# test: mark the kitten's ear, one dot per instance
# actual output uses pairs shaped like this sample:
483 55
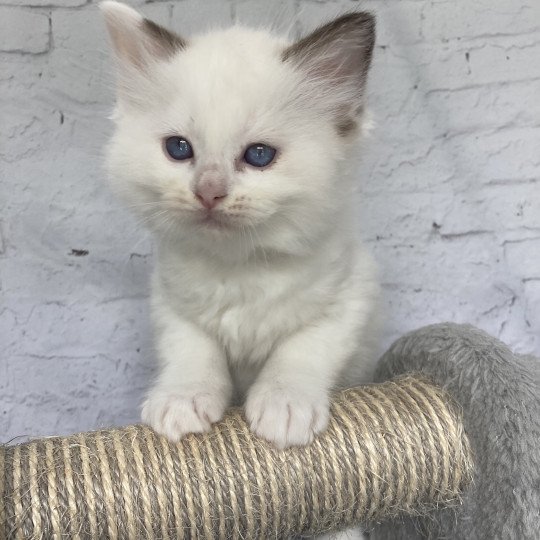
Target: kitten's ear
136 40
337 55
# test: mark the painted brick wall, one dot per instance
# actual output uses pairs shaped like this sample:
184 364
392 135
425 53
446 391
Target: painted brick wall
450 206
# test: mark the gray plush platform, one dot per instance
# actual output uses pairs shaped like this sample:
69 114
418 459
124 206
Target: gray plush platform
500 396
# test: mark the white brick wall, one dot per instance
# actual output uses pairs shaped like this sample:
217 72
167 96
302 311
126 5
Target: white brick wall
451 183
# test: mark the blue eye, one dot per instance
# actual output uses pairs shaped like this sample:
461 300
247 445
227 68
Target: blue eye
178 148
259 154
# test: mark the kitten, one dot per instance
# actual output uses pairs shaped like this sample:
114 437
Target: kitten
236 147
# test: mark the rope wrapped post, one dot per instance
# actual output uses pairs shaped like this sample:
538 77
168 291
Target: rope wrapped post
390 448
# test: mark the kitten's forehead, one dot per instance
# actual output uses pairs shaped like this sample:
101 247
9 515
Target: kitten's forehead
226 79
235 52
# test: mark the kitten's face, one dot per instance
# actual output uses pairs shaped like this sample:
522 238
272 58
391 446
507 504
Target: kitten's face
222 139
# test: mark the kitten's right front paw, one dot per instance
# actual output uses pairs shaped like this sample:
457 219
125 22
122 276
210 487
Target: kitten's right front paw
177 414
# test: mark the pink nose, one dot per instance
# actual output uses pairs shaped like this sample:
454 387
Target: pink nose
211 189
209 198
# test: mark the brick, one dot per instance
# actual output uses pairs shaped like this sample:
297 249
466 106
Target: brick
393 95
481 108
23 31
72 329
499 157
46 3
493 209
497 60
523 258
23 130
439 260
81 65
408 217
405 166
480 19
63 276
506 59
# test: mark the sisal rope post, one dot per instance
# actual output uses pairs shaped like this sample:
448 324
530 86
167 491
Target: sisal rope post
396 447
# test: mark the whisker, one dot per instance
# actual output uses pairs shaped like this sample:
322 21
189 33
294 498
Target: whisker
253 245
244 242
260 243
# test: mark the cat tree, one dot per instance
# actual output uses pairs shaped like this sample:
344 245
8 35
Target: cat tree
395 449
390 448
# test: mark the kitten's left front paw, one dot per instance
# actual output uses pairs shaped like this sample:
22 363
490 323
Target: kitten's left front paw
286 416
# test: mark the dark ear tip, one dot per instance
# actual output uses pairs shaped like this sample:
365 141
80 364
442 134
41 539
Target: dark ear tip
360 17
363 20
168 41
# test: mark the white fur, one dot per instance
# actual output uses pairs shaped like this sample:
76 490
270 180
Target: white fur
275 306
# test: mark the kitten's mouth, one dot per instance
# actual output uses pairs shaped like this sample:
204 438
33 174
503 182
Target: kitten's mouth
213 220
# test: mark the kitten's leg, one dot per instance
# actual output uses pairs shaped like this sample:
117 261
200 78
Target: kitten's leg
193 387
288 403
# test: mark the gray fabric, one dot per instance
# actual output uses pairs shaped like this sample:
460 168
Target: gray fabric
500 396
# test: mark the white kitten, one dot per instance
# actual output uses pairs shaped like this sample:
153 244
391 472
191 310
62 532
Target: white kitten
235 147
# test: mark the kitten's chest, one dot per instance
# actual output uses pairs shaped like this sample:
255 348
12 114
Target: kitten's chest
250 312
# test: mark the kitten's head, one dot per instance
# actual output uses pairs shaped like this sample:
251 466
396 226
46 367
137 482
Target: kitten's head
237 134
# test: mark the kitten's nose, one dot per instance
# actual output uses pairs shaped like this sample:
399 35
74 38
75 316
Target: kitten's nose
211 189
